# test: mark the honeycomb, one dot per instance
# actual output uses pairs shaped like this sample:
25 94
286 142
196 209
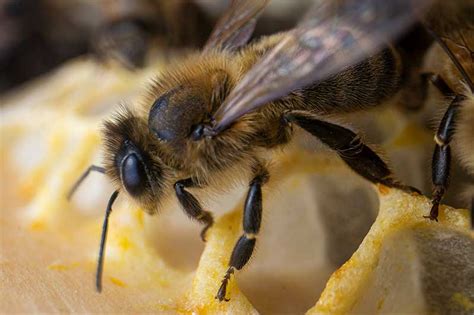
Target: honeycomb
331 242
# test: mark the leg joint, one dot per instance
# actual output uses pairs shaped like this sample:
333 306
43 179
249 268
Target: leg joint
242 252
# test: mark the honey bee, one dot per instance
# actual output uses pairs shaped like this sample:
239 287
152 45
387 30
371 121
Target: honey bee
216 117
450 67
131 27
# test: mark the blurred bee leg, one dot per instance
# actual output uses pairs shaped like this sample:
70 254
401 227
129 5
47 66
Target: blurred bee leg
437 81
191 205
441 161
79 181
252 219
126 40
348 145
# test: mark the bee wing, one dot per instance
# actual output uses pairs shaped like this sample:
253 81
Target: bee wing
333 35
236 26
449 22
447 17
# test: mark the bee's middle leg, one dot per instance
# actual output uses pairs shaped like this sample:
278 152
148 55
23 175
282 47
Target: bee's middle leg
252 219
348 145
191 205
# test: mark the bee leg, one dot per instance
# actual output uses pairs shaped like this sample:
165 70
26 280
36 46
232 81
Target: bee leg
441 162
126 40
437 81
191 205
252 219
348 145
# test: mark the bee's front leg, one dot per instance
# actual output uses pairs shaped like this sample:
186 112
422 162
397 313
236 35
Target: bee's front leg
252 219
191 205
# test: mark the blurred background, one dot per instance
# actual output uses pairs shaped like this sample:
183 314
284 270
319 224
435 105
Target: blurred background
38 35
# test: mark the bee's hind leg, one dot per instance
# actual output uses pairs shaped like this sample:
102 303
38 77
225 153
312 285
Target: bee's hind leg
348 145
441 162
191 205
252 219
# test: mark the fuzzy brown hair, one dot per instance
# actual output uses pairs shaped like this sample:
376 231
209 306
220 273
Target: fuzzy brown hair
213 76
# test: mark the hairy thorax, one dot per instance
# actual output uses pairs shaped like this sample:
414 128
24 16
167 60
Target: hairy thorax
187 95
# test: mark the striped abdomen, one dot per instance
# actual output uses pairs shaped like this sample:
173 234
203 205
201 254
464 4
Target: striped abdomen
366 84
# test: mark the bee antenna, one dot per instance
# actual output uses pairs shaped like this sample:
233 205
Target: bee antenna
83 177
103 238
453 58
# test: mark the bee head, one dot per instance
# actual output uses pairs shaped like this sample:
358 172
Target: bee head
133 161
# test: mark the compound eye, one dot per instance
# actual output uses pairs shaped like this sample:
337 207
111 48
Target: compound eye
134 176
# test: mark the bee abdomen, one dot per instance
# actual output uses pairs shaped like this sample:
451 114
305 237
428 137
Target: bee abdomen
366 84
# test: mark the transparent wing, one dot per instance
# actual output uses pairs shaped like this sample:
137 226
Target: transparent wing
449 17
333 36
451 23
236 26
